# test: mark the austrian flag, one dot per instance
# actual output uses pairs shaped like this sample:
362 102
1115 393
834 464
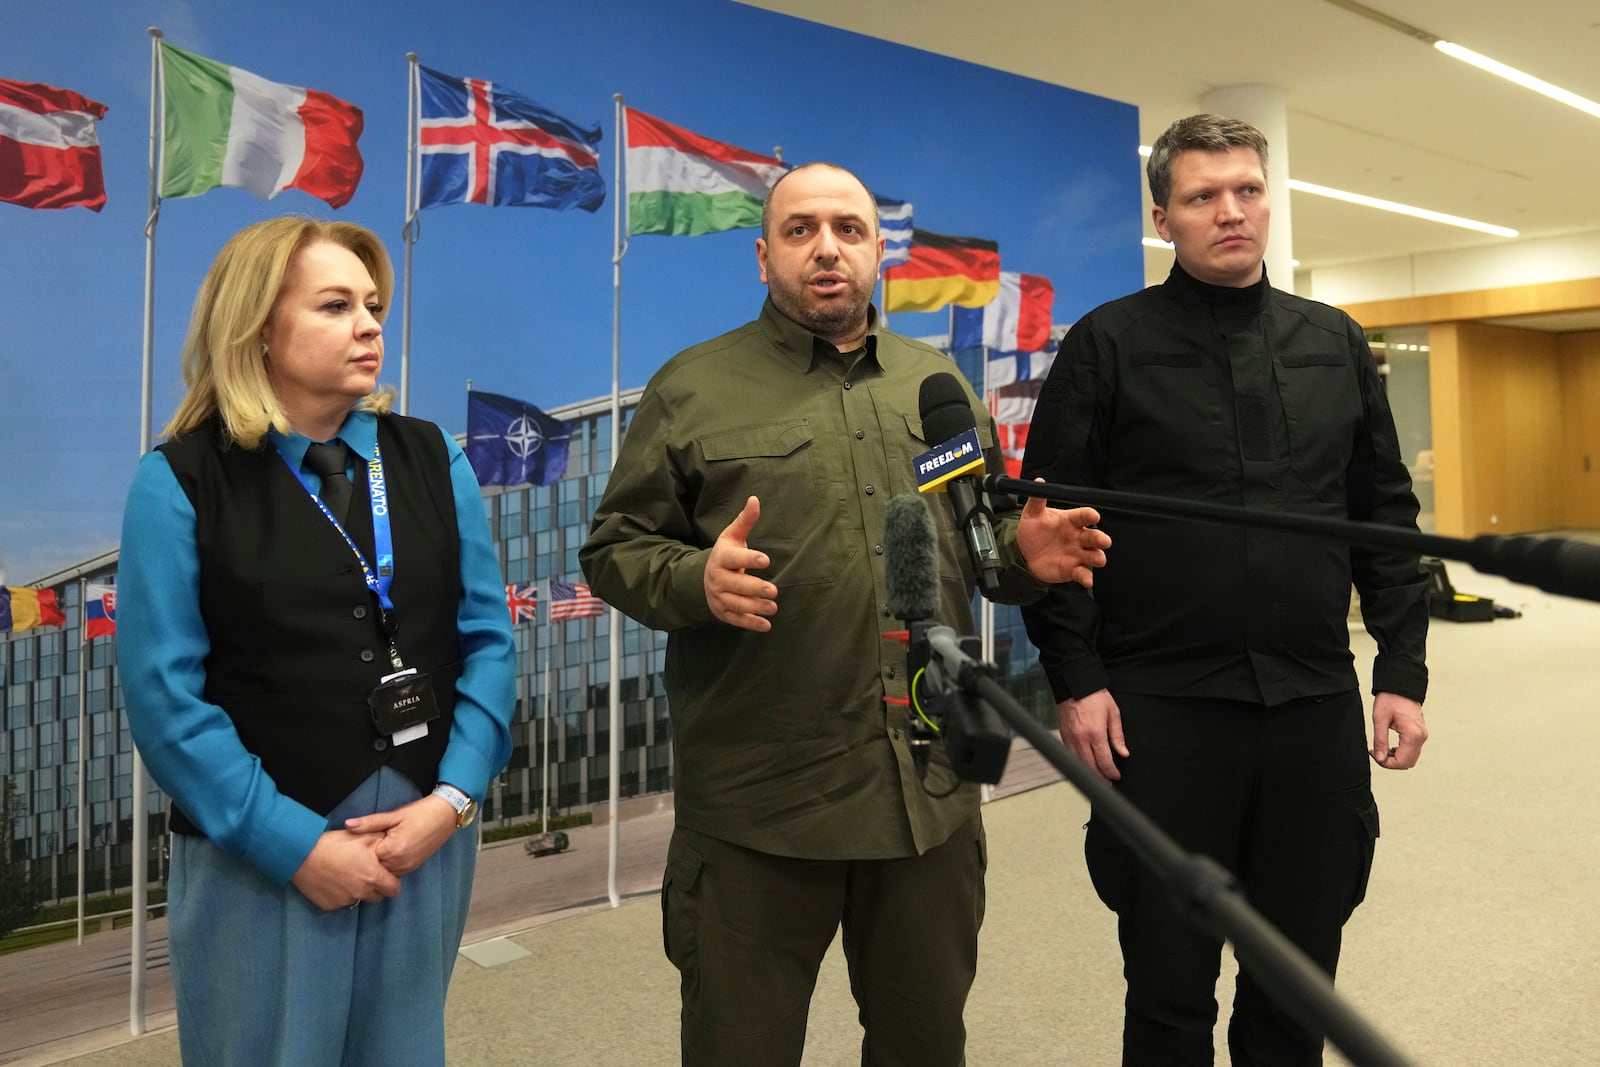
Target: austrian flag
49 150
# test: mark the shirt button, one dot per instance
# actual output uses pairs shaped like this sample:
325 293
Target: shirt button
380 744
860 434
870 490
366 653
877 550
360 611
891 672
847 385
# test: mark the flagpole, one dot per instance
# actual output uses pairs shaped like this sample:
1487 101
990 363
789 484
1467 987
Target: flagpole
141 831
618 207
408 233
83 654
544 805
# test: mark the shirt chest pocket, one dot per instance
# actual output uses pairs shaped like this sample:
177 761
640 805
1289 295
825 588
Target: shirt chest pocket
781 465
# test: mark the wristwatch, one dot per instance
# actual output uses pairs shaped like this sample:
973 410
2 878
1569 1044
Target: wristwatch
466 807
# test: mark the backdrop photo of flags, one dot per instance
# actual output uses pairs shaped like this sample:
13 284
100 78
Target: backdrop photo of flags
523 603
511 442
49 148
481 143
1013 406
894 223
222 125
683 184
572 600
24 608
1016 320
943 270
99 611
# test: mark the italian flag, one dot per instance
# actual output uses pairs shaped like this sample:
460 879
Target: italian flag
683 184
225 126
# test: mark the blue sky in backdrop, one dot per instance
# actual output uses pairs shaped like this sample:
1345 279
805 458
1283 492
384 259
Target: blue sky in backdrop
519 300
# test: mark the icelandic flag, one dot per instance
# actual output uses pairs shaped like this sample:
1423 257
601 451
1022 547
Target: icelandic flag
483 144
1018 320
894 222
100 611
511 442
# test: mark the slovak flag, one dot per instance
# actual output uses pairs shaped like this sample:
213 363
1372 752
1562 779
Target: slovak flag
484 144
522 601
100 611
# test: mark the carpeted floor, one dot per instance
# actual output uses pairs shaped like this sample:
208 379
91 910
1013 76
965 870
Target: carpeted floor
1477 947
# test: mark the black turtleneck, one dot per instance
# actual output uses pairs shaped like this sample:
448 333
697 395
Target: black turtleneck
1244 396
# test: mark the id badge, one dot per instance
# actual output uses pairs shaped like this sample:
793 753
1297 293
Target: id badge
401 702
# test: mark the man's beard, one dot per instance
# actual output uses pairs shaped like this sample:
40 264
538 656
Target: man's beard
830 318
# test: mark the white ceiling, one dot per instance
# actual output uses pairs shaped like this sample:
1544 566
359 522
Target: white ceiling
1370 110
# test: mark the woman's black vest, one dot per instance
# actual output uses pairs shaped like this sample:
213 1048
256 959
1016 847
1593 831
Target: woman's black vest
296 640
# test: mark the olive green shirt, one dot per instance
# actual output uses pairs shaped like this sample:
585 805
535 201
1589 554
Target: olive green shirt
783 740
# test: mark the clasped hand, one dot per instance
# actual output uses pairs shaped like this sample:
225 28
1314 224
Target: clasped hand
366 860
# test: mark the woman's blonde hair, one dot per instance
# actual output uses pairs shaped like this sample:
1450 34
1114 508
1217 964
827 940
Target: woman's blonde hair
224 359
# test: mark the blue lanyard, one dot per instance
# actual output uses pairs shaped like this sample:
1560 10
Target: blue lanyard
378 579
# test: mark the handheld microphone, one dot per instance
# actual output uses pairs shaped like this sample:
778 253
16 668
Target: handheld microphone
910 558
946 414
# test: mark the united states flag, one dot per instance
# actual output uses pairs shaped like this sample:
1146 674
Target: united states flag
484 144
572 600
522 601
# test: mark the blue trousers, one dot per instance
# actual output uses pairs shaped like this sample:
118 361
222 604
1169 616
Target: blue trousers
265 977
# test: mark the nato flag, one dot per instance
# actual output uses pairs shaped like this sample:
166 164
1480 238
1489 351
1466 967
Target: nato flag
511 442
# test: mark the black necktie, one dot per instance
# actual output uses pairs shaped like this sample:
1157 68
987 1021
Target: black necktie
328 462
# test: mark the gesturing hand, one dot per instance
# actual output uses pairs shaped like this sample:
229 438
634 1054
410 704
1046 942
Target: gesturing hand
737 598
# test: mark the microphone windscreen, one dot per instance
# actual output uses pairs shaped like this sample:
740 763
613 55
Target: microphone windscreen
910 558
944 408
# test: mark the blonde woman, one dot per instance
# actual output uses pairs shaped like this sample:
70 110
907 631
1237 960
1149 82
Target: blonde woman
318 666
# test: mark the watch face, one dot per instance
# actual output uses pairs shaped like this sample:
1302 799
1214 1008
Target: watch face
468 815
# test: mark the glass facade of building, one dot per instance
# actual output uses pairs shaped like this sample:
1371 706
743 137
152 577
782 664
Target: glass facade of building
561 666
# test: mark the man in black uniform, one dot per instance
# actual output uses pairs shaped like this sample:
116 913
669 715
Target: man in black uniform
1209 673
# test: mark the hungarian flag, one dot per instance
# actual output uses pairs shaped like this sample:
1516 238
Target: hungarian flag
683 184
49 150
225 126
23 608
1017 320
943 270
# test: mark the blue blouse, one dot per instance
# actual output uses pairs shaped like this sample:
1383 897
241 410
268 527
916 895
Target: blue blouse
190 745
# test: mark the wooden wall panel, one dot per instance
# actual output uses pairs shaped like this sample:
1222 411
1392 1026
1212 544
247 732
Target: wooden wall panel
1578 466
1511 412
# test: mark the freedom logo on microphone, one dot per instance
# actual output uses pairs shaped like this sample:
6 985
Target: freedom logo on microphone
957 456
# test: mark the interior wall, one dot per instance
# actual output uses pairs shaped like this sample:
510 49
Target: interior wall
1498 394
1578 469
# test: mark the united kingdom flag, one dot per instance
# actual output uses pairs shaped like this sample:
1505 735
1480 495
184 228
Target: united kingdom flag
522 601
483 144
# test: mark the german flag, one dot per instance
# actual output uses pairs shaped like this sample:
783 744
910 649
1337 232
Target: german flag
943 270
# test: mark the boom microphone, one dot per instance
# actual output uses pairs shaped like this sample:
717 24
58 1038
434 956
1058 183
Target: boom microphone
910 558
946 414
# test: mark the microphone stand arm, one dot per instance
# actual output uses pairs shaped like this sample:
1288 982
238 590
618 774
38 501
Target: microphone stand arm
1554 564
1206 894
